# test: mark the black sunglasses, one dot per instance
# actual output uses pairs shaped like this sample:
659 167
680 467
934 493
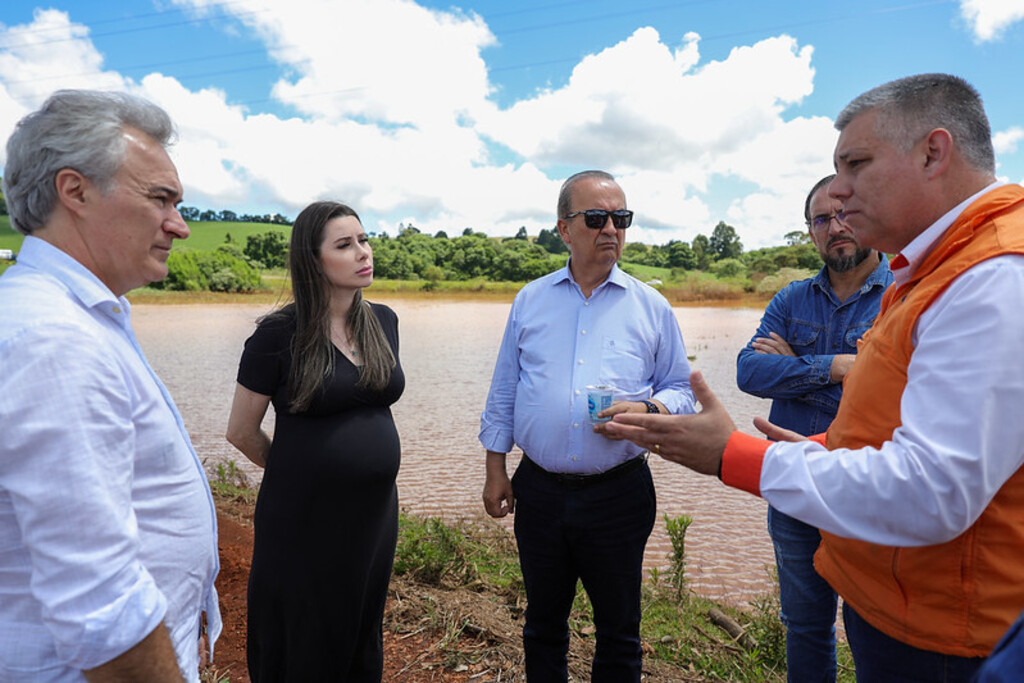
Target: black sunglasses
598 218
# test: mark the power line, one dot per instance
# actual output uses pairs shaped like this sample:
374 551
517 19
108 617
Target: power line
125 31
496 69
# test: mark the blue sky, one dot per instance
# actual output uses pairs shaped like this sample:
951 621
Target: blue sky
449 116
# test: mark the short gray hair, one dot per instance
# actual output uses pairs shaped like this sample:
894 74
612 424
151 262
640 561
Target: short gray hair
909 108
78 129
565 194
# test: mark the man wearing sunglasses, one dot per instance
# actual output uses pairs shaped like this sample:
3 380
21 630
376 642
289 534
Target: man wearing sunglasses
583 501
804 346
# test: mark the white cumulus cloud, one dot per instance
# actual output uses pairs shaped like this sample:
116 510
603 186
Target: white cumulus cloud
988 19
1005 141
393 112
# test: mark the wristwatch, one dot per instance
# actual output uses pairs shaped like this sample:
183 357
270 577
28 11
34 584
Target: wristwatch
652 407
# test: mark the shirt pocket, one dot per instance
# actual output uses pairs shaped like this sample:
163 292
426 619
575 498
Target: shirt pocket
803 337
626 366
855 332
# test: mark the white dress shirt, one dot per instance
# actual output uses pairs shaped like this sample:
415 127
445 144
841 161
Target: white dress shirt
962 431
107 526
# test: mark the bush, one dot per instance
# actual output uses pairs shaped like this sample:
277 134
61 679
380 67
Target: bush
728 268
269 248
221 270
772 284
430 552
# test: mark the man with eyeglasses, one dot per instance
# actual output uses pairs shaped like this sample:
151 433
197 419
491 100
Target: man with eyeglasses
799 355
918 485
584 501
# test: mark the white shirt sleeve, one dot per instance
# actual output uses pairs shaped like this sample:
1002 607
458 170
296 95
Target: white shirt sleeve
66 472
962 432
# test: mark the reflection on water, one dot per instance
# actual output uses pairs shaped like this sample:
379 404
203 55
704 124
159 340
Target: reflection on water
448 350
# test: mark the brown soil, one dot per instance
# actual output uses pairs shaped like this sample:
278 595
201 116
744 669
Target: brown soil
411 652
431 634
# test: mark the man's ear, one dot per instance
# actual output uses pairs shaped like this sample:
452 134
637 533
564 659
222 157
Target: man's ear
563 230
71 189
938 150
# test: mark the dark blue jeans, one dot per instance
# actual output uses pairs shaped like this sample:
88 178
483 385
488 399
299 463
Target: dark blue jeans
807 601
883 659
594 532
1006 663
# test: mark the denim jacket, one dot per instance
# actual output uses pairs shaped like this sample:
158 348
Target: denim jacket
817 326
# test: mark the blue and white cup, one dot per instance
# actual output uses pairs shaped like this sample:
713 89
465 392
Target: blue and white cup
599 397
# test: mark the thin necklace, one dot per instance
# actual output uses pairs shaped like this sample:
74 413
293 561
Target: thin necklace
344 341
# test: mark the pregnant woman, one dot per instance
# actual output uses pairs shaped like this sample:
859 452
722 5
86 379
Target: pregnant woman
327 514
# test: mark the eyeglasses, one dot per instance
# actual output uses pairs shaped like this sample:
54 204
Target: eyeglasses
596 219
823 220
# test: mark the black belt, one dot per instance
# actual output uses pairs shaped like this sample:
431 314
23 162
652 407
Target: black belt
577 480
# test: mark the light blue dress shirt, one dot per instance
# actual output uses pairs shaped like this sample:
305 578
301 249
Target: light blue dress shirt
556 343
107 525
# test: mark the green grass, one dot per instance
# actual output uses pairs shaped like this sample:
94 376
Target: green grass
9 237
208 235
231 483
646 273
676 622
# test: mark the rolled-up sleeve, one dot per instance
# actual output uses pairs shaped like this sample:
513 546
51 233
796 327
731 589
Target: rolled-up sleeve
66 472
671 379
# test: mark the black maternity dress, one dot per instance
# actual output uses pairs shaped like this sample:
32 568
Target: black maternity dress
326 518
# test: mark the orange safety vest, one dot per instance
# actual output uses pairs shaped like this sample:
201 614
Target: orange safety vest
957 597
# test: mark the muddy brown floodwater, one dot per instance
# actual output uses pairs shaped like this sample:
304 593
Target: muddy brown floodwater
447 351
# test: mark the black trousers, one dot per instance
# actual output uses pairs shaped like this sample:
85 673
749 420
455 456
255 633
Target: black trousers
592 529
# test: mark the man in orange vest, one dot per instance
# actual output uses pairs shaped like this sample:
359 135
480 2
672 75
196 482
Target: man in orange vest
918 484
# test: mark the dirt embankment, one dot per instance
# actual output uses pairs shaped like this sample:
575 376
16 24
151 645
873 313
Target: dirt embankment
431 634
411 646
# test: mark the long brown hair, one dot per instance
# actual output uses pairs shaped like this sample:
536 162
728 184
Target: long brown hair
312 350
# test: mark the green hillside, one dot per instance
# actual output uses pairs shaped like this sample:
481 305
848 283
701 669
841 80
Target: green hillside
206 235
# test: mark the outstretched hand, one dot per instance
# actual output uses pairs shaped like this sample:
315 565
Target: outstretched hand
775 432
696 441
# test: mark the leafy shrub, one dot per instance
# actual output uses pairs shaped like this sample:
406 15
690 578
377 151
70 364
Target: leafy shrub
728 268
772 284
269 248
221 270
430 551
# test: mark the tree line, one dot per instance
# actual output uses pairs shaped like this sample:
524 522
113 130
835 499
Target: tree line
191 213
414 255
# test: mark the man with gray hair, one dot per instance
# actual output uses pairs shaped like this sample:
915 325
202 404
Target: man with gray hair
918 485
108 549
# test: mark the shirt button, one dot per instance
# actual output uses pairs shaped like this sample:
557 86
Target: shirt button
575 458
575 425
117 309
583 331
577 392
581 361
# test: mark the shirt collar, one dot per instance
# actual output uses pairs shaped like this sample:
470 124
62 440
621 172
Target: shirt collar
906 262
616 277
82 283
876 278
